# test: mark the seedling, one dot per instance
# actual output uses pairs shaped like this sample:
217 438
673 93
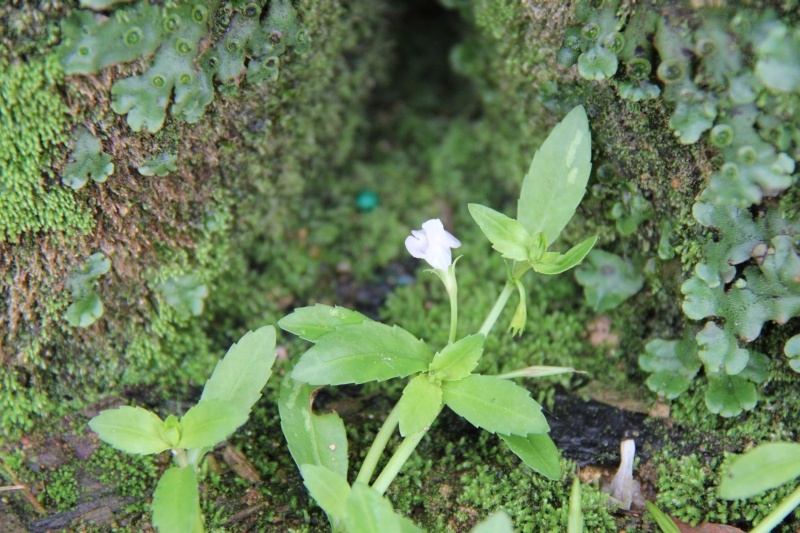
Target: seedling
230 393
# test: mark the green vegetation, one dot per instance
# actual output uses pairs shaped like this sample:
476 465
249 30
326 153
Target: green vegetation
33 129
265 215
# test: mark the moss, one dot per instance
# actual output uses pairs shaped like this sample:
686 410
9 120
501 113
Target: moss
34 127
687 491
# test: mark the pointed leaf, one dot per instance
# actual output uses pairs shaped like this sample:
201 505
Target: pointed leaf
506 234
538 372
241 375
499 522
312 439
329 489
537 451
665 523
369 351
762 468
572 258
419 406
457 360
311 323
496 405
130 429
209 423
556 181
368 512
176 502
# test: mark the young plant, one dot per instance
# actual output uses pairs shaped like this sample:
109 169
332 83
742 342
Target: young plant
764 467
351 348
230 393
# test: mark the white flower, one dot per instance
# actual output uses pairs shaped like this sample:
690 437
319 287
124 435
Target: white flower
432 243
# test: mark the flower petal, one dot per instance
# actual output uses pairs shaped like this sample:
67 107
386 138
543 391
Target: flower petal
416 247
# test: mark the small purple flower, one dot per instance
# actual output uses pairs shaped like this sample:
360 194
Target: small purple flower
432 243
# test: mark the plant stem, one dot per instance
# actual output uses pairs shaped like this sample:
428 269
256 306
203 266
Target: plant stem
779 513
453 293
491 318
18 485
397 461
180 457
378 445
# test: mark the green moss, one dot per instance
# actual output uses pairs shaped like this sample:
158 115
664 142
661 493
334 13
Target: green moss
687 491
34 126
477 476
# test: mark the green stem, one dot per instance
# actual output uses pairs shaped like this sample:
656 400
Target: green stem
779 513
378 445
397 461
180 457
453 314
491 318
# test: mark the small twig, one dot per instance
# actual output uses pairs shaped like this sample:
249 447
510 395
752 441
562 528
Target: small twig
18 485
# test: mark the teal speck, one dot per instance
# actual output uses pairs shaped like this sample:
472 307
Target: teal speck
366 201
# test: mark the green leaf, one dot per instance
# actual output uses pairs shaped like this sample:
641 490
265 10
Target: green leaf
457 360
762 468
720 350
665 523
556 181
608 280
499 522
186 294
575 518
241 375
209 423
87 161
496 405
312 439
130 429
329 489
419 406
537 451
176 502
538 372
311 323
369 351
792 351
672 364
506 234
368 512
85 311
564 262
730 395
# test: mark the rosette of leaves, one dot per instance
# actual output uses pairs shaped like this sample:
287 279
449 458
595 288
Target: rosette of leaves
228 396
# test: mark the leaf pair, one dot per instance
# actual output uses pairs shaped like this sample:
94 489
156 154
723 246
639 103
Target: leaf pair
351 348
225 404
514 242
551 192
139 431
